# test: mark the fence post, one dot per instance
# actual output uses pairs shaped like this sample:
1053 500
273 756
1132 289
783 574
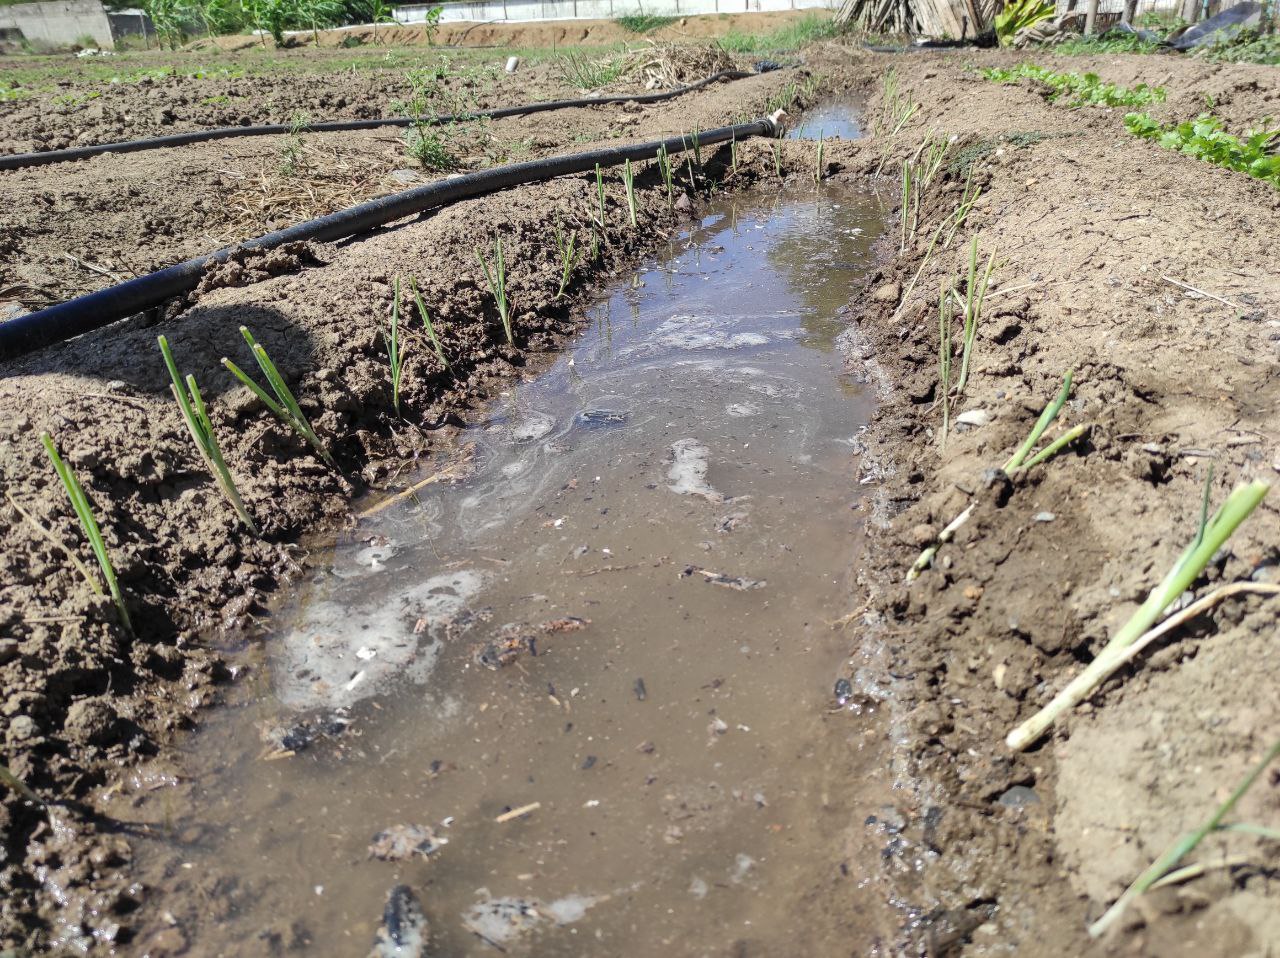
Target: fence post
1090 17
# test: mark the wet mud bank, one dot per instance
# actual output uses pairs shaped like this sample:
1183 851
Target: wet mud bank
1008 852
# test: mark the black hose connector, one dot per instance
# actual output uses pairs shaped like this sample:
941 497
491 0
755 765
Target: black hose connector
16 161
95 310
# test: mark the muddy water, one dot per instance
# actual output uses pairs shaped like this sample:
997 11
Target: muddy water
836 119
621 612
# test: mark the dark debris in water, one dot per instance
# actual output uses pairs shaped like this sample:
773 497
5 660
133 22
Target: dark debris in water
286 740
517 638
404 932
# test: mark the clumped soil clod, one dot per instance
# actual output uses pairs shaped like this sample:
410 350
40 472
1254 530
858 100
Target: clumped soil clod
998 852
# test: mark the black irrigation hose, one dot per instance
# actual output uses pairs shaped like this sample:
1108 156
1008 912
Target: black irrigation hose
16 161
95 310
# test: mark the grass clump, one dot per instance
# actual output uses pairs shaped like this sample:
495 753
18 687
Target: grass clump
496 277
1114 41
284 406
641 22
587 73
1084 89
1246 46
84 512
196 416
794 35
1205 139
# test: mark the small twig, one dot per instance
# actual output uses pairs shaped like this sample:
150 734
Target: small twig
53 540
947 534
1011 289
1198 869
1190 612
449 472
94 268
1192 289
520 812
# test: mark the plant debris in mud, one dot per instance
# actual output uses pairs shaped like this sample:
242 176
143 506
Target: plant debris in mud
402 842
518 638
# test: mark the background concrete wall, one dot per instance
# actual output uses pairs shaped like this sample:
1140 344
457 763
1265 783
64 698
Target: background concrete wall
59 22
485 11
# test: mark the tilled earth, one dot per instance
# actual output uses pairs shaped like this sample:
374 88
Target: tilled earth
996 853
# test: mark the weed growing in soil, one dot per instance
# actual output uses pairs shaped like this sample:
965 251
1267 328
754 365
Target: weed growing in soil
975 292
427 324
392 340
896 111
194 413
629 180
791 37
1085 89
1113 41
1247 46
431 99
1210 537
600 192
664 167
580 70
84 512
285 406
777 158
1163 866
568 249
817 166
497 280
944 362
1205 139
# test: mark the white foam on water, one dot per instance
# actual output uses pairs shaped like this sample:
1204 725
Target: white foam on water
336 654
688 472
741 410
685 332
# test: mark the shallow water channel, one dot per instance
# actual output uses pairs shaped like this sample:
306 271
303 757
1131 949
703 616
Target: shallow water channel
621 610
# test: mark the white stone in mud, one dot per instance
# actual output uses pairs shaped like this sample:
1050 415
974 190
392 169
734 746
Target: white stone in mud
337 654
688 472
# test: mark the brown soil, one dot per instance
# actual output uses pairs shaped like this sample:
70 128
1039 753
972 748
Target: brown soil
1086 220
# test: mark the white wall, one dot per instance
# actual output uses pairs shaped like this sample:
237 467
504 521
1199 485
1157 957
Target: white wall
485 11
59 22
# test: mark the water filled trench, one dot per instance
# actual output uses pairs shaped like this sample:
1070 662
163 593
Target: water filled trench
620 611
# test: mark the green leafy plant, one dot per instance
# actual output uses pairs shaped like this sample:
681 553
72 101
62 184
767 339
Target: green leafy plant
1114 41
497 280
1020 14
1084 89
1205 139
567 248
441 113
427 324
793 36
284 405
84 512
195 414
